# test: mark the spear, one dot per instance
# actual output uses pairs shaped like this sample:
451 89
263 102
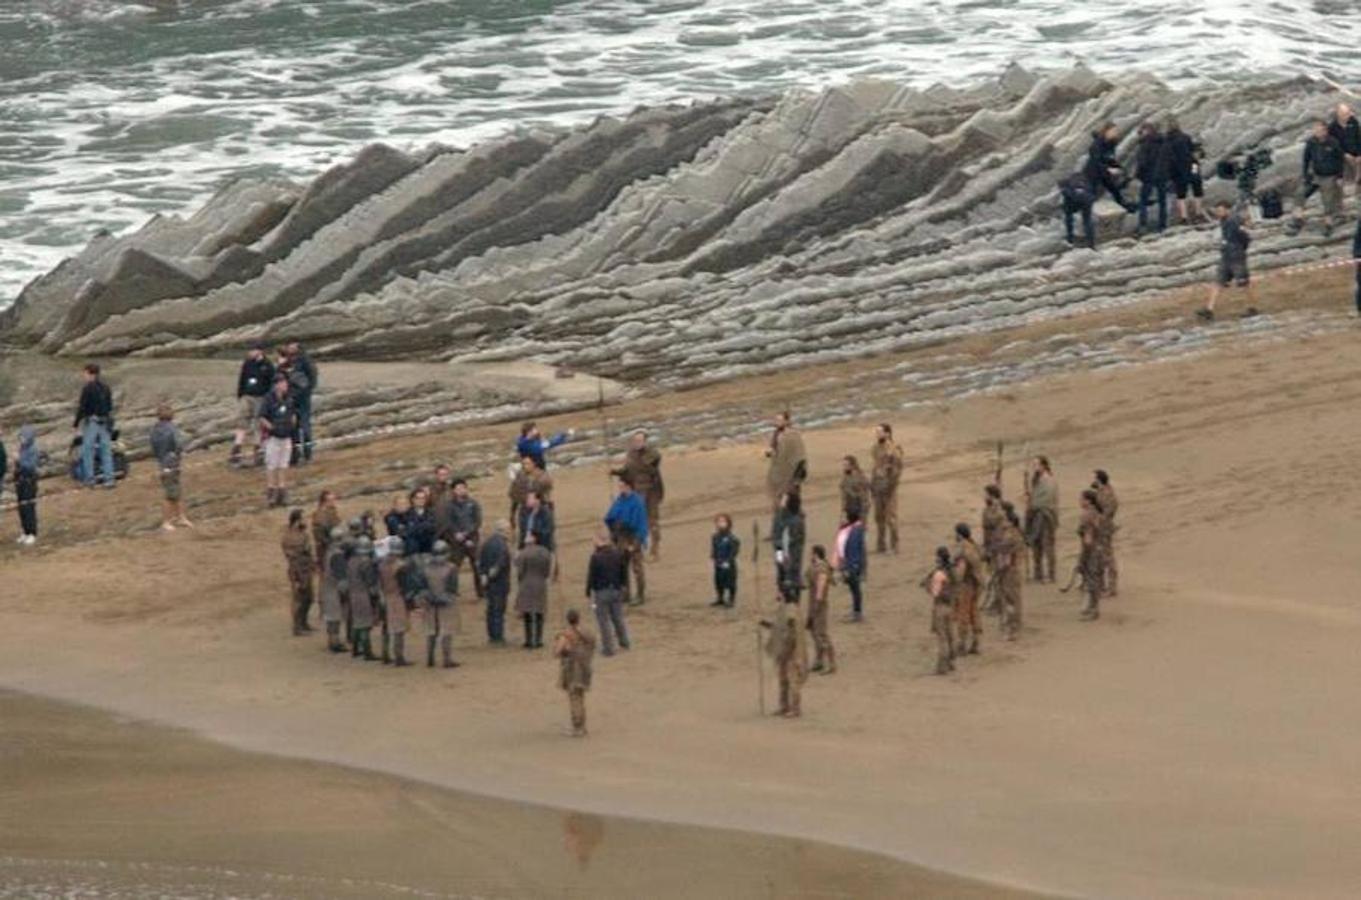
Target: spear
756 599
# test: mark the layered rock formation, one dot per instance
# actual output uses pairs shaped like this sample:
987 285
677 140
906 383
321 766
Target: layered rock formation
678 244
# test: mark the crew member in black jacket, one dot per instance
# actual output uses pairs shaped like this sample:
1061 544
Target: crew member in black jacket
94 421
1103 170
255 380
1324 164
303 383
279 421
1151 168
1346 130
1183 171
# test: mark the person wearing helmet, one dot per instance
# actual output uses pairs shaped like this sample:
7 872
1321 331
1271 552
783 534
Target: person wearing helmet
440 609
363 592
335 589
396 617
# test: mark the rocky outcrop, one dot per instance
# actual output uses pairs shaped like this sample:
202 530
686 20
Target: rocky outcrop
683 243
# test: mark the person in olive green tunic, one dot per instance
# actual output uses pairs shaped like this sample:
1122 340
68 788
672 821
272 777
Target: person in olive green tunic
575 648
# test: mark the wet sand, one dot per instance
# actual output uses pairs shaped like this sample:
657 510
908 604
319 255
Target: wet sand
96 805
1198 741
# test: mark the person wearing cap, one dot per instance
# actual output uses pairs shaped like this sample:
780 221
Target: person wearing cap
440 609
167 446
362 582
493 564
279 421
396 615
297 547
335 589
252 384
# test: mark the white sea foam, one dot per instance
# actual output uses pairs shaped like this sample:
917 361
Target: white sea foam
115 110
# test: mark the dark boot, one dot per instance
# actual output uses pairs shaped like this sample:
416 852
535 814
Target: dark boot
529 630
387 655
446 649
368 647
399 651
538 630
234 459
430 652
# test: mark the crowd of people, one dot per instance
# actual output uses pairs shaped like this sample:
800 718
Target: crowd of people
1169 165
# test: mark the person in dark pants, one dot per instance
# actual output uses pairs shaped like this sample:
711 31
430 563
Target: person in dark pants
1324 165
1103 170
607 579
1183 171
26 465
302 379
421 530
1151 168
724 547
252 384
787 534
851 549
1077 199
1356 260
94 421
1233 259
493 564
4 469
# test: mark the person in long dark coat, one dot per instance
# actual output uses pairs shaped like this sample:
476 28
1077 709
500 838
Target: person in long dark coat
533 567
493 565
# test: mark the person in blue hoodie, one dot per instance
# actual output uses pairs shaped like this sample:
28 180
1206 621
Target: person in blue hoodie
627 521
852 551
533 444
26 466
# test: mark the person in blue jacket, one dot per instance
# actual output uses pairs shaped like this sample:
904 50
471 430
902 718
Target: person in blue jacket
627 521
533 444
853 562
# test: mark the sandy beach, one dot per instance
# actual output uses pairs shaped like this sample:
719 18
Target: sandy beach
1198 741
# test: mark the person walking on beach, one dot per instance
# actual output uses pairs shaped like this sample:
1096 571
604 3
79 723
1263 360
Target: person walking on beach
493 563
533 567
440 612
606 584
1007 561
1234 239
643 465
819 586
94 421
1090 564
279 420
297 547
885 474
627 522
252 384
1042 517
574 648
1109 503
993 518
27 465
940 585
788 460
724 547
167 446
968 582
787 647
855 488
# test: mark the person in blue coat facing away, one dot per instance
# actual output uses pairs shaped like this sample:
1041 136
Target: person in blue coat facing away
851 541
533 444
627 521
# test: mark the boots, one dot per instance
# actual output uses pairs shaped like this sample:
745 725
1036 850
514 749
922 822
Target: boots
270 494
784 700
387 655
538 630
1092 610
333 638
399 651
529 630
368 646
281 496
234 458
430 651
446 649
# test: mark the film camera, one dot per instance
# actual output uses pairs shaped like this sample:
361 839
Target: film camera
1244 169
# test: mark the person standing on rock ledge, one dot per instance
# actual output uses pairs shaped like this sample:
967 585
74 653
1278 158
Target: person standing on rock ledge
254 382
1103 170
788 461
887 471
94 421
279 420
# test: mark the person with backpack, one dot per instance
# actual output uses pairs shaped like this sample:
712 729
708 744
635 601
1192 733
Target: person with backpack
1233 258
27 464
94 421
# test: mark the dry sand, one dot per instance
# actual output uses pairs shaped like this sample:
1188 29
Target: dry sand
1200 740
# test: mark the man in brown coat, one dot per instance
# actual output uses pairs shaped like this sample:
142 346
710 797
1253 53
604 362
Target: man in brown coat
643 464
325 519
968 585
297 548
1042 517
787 647
575 647
855 488
887 470
788 461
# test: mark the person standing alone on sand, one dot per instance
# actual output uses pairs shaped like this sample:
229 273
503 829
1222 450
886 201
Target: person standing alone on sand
787 647
643 464
297 549
887 471
168 448
574 647
819 586
1042 516
788 460
724 547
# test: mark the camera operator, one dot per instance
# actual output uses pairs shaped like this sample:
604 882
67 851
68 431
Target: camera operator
1184 155
1151 167
1233 258
1324 163
1103 170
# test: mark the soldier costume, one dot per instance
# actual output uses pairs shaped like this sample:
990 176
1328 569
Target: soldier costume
396 615
362 589
819 586
297 547
787 647
968 564
440 610
574 647
887 470
335 589
1042 519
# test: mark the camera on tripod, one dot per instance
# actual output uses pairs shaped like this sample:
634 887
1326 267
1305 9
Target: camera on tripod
1244 169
